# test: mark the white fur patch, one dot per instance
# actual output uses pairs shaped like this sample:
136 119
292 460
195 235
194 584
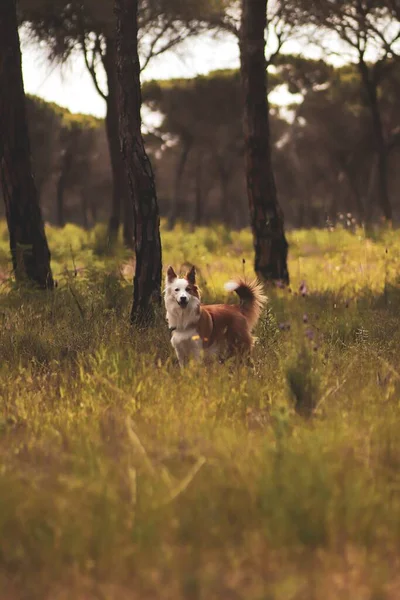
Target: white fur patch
231 286
187 335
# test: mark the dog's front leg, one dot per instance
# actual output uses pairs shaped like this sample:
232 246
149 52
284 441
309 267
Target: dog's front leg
196 350
182 356
180 352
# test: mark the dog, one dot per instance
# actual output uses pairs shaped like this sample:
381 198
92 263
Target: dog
199 330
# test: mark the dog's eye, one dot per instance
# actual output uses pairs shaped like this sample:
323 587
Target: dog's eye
188 289
177 289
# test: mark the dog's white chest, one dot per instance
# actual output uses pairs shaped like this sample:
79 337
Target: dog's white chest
187 344
183 337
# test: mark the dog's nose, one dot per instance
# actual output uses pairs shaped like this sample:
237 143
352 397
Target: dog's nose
183 300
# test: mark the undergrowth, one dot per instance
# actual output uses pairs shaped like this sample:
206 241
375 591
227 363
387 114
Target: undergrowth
123 477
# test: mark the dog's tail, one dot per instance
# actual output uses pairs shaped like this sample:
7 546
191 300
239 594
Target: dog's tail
252 298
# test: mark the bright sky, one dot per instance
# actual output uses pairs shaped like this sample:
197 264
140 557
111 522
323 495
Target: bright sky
72 87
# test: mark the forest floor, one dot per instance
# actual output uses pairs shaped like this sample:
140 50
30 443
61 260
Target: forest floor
122 477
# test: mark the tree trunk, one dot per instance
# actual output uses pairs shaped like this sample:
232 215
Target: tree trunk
84 206
369 204
177 199
265 215
128 230
229 213
66 164
119 183
142 191
354 191
93 210
29 250
370 86
60 200
198 198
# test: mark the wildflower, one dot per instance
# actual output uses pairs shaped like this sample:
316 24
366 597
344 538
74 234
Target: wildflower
303 289
309 334
305 318
284 326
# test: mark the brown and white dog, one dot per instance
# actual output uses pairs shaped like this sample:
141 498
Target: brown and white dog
219 329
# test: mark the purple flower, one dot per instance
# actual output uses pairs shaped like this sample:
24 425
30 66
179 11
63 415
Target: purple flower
303 289
309 334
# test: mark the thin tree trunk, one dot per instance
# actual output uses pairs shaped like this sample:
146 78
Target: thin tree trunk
60 200
119 184
225 200
353 187
198 199
29 250
93 210
380 144
177 199
369 204
84 206
265 214
142 191
61 184
229 209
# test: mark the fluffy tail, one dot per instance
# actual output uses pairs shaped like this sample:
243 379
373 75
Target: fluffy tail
252 298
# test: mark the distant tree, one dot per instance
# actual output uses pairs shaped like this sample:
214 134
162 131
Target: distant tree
44 123
370 29
29 250
202 116
142 191
266 217
76 146
88 26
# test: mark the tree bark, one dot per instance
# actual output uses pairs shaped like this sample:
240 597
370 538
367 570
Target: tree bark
128 228
119 184
266 216
370 86
29 250
142 191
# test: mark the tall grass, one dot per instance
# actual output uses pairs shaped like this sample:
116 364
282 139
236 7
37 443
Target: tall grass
123 477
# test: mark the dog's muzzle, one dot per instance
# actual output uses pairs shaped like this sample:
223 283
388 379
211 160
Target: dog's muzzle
183 302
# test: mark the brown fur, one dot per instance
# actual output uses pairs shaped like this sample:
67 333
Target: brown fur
221 329
230 326
225 326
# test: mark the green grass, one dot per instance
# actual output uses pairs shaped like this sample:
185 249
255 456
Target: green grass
122 477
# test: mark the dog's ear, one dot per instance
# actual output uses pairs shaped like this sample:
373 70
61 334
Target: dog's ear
191 276
171 275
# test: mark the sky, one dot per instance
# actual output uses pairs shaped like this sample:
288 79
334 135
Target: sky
70 86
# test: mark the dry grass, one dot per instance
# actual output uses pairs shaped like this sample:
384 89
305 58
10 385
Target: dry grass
121 477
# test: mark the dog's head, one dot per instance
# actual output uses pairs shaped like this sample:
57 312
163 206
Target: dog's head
182 290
